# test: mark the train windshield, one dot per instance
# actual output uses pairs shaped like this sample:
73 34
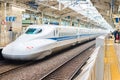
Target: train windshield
33 31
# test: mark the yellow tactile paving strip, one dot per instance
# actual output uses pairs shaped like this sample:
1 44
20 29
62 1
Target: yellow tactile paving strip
111 69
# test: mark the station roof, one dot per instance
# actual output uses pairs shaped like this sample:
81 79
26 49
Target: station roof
108 9
98 12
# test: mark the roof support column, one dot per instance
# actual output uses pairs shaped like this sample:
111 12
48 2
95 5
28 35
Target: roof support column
78 23
71 22
42 17
17 23
59 4
39 19
3 25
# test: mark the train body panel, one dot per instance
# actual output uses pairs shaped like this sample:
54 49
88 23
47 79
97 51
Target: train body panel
29 48
40 41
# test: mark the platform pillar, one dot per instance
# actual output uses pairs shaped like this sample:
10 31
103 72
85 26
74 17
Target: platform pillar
3 24
42 18
60 21
71 22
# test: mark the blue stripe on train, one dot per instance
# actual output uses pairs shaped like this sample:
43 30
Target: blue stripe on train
63 38
70 37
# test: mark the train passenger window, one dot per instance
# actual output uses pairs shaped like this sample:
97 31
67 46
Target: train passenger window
33 31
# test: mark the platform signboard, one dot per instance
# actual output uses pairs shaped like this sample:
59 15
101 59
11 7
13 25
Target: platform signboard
10 18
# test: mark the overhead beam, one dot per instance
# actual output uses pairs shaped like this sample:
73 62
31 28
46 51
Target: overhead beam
104 6
68 14
107 1
103 12
48 7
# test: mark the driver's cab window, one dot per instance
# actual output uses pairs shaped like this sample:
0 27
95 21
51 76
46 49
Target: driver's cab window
33 31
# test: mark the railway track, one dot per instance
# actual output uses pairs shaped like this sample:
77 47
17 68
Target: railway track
70 68
38 70
6 66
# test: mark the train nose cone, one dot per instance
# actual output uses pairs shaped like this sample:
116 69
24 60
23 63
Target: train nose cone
11 51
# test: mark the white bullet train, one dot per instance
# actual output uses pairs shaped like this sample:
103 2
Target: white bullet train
39 41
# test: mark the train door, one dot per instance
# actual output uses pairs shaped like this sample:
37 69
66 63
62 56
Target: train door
57 32
78 33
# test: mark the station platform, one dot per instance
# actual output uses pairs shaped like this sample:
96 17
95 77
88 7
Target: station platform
112 60
104 63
